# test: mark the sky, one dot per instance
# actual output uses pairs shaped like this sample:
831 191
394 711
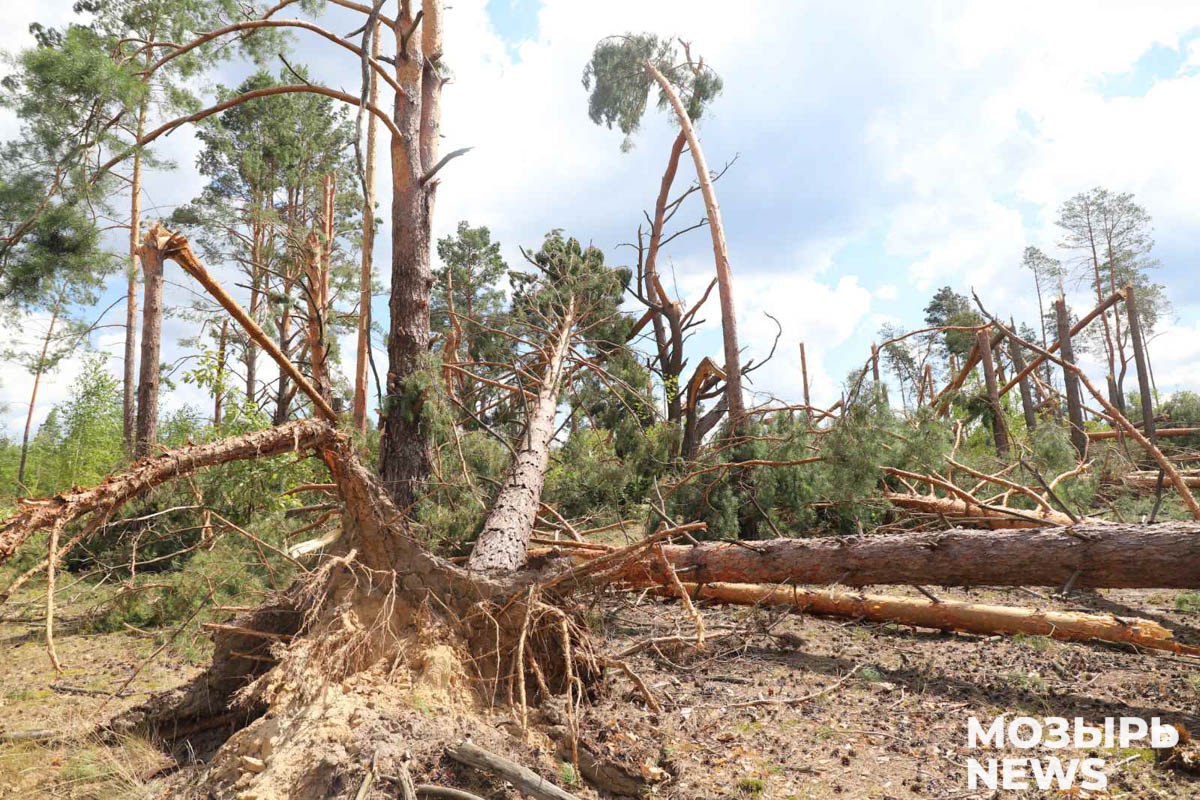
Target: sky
879 150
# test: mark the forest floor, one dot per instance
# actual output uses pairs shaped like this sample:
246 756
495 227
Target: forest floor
896 729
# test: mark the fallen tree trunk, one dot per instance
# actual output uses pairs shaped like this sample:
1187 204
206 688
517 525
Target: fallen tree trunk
116 490
1150 480
1097 436
948 615
985 516
1101 555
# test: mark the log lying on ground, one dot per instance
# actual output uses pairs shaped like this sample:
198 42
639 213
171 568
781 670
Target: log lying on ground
986 516
1099 555
1097 436
116 490
1148 480
949 615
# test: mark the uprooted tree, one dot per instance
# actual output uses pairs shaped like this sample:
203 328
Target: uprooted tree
988 498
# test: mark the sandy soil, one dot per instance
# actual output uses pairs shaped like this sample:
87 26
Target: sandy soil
730 724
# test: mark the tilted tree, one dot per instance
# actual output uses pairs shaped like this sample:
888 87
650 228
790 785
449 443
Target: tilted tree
621 75
569 306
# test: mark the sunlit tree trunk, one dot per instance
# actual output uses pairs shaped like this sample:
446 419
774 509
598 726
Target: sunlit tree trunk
503 543
405 449
366 273
129 378
146 432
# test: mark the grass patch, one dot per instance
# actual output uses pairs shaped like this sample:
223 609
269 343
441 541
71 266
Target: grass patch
1188 602
754 787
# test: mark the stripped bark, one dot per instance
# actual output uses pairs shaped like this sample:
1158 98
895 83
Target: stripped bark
146 429
1105 555
733 367
985 516
949 615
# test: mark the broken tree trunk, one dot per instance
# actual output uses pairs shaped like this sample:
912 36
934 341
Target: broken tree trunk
959 376
1149 480
115 491
1075 330
1097 436
983 515
152 257
948 615
1027 404
1146 396
367 251
733 364
503 544
1105 555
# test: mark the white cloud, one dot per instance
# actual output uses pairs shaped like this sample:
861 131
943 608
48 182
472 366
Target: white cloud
920 143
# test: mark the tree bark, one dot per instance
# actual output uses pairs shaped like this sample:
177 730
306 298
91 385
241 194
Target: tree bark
983 341
1106 555
668 335
366 265
219 388
733 364
1142 363
146 433
1070 379
984 516
503 544
948 615
129 376
404 454
1027 404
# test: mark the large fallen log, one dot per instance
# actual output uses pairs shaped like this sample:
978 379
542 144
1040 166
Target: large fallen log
1100 555
1149 480
948 615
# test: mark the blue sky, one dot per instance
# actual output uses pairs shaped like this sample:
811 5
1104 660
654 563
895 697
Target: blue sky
882 150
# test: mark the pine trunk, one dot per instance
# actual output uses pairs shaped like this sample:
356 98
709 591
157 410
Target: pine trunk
948 615
733 359
129 377
503 544
1070 380
404 453
366 266
146 433
1095 554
